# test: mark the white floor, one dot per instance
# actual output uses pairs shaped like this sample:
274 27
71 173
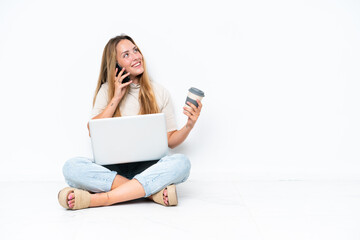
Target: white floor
208 208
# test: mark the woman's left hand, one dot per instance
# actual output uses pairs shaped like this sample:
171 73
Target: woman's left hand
193 113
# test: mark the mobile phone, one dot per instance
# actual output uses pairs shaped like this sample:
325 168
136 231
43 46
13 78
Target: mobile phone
119 68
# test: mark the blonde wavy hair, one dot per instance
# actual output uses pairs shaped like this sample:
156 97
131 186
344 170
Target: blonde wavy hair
148 104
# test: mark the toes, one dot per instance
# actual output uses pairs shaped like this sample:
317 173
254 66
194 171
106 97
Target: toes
71 200
71 203
165 197
71 196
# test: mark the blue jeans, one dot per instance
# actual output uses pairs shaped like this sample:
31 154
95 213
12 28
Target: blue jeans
83 173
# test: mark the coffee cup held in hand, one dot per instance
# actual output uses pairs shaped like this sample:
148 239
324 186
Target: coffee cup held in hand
193 95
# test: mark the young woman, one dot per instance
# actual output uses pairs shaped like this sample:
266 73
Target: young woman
93 185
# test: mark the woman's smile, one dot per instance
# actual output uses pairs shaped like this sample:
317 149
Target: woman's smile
136 64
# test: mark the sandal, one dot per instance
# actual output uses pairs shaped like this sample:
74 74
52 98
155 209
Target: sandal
82 198
172 196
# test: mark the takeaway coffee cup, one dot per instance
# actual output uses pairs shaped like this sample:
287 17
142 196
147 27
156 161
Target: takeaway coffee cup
194 94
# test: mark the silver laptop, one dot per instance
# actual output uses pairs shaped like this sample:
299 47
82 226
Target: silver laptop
129 138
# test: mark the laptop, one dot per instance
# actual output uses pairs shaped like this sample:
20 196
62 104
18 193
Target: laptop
129 138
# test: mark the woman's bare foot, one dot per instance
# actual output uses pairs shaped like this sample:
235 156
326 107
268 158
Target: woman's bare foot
98 199
127 191
71 200
165 197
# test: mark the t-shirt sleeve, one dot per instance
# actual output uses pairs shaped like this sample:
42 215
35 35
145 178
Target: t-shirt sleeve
168 108
101 101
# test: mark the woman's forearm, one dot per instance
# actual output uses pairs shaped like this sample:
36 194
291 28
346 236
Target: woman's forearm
108 111
179 136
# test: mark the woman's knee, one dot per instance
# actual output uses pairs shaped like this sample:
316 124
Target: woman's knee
82 173
72 167
182 165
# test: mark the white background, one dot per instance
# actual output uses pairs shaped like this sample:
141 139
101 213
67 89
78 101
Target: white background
281 80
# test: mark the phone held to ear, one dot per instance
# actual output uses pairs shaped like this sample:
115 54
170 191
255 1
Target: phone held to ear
119 68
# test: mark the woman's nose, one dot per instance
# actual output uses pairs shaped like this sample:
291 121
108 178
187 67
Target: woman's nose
135 56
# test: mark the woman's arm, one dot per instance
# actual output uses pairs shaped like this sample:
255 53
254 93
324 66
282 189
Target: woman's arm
119 93
175 138
108 111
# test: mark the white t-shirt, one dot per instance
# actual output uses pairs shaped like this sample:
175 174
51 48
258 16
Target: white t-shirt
131 106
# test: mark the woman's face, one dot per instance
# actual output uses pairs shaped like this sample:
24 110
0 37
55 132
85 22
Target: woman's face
129 57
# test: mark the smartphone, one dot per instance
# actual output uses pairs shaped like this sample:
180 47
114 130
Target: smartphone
119 68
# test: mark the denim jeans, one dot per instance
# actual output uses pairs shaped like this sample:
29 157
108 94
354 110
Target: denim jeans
83 173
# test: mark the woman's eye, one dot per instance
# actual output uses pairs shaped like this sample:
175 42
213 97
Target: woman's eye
126 55
136 50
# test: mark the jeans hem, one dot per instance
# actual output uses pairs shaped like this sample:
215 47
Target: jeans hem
142 181
111 180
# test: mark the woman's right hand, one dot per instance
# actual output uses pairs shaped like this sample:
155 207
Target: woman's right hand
120 88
